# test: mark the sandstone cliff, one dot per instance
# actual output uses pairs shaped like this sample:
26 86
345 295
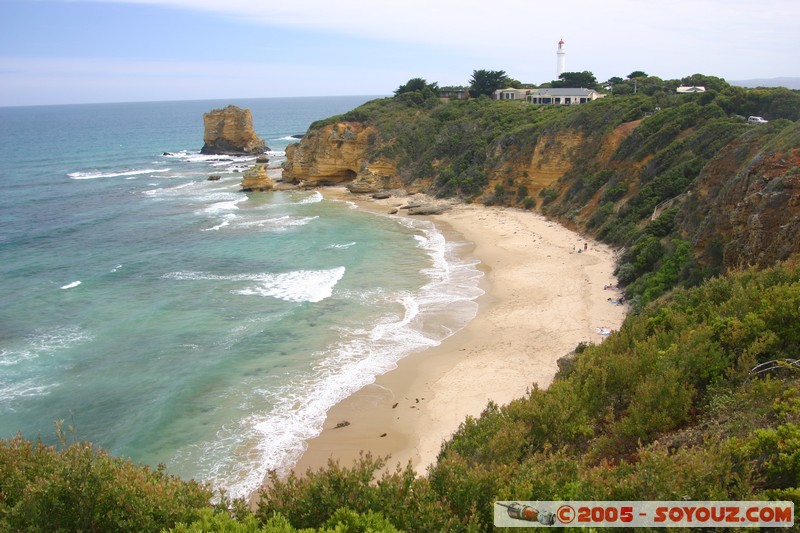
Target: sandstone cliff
652 180
230 131
353 154
256 179
339 154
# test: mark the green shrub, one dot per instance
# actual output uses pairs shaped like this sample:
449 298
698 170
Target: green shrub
311 500
82 488
548 195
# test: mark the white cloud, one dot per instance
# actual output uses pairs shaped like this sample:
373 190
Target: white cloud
718 35
460 23
371 47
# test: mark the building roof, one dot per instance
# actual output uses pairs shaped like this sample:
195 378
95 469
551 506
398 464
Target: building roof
550 91
691 89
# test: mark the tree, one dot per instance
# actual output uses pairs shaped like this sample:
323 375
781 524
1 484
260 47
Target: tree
417 84
711 83
637 74
487 82
583 79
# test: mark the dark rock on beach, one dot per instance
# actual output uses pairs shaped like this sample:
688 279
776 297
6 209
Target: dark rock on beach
360 187
428 210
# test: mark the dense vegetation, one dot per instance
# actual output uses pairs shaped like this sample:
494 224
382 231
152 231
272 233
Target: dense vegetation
473 150
668 408
78 487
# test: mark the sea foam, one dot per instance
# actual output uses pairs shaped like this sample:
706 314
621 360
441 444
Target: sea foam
299 286
276 439
43 342
188 156
96 175
313 198
277 223
21 389
296 286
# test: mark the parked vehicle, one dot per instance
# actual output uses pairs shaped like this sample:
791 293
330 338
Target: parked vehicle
756 120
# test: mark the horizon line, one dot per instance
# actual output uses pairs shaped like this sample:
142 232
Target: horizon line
5 106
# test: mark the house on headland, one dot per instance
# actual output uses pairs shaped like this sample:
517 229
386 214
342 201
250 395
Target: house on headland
566 96
511 94
684 89
454 93
548 96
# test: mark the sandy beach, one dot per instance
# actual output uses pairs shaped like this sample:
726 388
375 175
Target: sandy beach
544 295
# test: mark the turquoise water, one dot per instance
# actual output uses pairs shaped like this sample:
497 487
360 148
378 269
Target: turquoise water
178 320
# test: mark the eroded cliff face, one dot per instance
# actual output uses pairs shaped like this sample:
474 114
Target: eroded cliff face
230 131
339 154
550 158
554 155
745 207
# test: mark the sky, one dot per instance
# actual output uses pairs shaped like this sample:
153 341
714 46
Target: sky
84 51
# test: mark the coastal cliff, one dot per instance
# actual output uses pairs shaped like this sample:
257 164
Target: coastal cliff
336 154
653 175
230 131
693 396
746 204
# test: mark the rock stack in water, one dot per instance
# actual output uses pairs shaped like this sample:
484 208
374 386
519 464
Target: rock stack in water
230 131
256 179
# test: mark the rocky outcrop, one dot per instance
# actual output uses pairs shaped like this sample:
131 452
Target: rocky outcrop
362 187
734 194
230 131
339 154
749 198
256 179
428 210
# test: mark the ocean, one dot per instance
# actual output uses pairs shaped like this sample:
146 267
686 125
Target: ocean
177 320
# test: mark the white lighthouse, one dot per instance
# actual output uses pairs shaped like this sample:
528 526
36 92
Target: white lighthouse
562 58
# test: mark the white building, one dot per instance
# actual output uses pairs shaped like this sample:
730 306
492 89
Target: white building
551 96
683 89
511 94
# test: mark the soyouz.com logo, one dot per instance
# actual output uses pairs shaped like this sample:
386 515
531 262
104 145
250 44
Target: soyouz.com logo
643 514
